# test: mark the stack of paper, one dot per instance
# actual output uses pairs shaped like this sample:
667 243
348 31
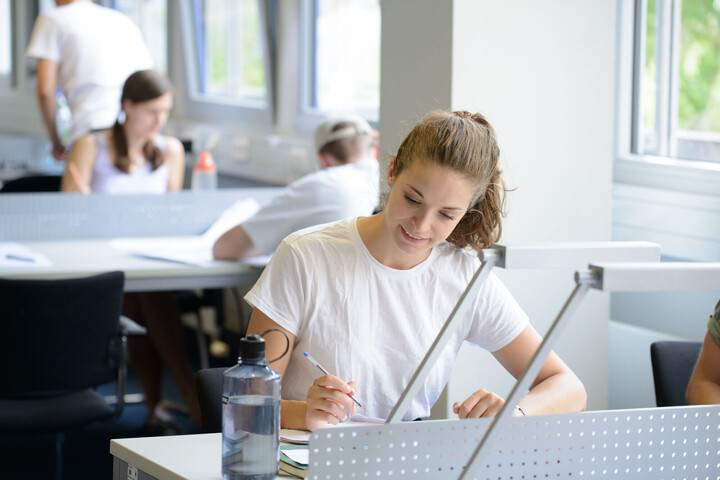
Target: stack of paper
191 250
299 437
294 460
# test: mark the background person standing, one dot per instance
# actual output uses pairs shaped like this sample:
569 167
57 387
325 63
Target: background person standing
87 51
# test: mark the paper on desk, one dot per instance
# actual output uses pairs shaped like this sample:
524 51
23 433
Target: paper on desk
297 455
303 437
189 250
15 255
294 436
237 213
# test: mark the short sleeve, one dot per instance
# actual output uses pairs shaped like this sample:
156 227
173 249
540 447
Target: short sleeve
44 42
272 223
279 292
302 204
498 319
714 324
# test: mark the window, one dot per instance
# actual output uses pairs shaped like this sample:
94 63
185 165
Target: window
677 79
151 17
343 71
5 39
230 50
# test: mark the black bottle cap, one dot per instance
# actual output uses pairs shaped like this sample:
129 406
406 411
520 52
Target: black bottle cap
252 350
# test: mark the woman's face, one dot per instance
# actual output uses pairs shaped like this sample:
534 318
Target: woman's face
425 204
148 118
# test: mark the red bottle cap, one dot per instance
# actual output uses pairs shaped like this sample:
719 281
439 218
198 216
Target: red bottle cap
205 163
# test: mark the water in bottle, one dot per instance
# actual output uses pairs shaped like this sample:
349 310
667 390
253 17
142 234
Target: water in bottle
250 415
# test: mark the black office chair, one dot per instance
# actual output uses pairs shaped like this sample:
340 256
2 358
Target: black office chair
209 383
32 183
190 301
60 339
672 365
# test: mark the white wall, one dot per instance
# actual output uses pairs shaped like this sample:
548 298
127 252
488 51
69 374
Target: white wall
543 73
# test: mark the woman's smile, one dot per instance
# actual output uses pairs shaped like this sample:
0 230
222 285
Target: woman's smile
410 237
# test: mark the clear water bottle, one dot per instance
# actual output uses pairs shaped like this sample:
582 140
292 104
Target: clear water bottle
63 117
251 415
204 174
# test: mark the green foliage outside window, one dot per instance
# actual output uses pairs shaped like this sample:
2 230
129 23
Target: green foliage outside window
699 92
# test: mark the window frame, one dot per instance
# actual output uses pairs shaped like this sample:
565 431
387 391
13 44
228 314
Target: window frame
7 80
307 118
203 108
284 39
692 176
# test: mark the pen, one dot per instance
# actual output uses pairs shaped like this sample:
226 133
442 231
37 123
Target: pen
320 367
76 177
12 256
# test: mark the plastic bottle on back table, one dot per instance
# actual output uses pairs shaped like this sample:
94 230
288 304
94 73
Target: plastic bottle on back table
204 173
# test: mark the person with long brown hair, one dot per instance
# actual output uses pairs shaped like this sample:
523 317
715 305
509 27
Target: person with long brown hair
367 296
134 157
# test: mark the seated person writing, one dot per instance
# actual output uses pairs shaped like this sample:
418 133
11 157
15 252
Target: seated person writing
346 185
366 296
704 385
133 157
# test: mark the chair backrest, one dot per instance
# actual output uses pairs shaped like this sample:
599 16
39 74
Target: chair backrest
33 183
209 383
672 365
59 335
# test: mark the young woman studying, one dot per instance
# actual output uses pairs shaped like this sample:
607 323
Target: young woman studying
134 157
367 296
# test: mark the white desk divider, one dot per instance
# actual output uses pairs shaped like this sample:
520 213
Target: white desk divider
63 216
609 277
652 277
653 443
648 444
549 255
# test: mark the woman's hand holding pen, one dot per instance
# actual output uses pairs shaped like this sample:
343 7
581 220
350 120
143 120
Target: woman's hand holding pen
328 401
480 404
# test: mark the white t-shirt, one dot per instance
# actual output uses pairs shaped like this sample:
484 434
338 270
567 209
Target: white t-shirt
324 196
372 324
96 49
107 178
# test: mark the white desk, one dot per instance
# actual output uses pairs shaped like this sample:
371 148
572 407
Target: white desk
75 232
673 443
172 458
181 457
77 258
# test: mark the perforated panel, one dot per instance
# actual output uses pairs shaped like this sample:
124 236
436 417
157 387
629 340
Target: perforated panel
669 443
57 216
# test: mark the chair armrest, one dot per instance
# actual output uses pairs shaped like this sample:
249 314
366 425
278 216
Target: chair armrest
129 328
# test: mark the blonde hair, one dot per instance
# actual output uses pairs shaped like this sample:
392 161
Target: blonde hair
347 149
465 143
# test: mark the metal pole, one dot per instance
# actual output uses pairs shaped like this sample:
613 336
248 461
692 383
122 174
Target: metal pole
529 375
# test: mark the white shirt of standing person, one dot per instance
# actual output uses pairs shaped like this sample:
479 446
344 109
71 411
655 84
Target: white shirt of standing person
96 49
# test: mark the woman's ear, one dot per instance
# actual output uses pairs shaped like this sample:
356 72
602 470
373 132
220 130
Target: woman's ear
391 172
124 107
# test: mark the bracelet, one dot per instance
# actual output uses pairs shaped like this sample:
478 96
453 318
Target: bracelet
520 410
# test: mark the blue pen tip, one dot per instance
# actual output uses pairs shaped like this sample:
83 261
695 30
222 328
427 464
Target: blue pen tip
305 353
